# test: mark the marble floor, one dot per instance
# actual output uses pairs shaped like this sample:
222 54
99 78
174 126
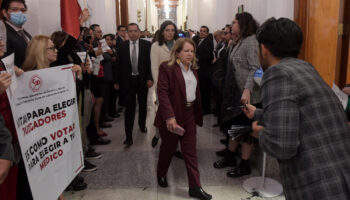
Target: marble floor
130 174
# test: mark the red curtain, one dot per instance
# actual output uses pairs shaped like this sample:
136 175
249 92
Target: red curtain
70 12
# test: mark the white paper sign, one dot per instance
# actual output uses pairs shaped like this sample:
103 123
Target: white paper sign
96 63
9 63
82 56
341 95
46 118
104 46
95 66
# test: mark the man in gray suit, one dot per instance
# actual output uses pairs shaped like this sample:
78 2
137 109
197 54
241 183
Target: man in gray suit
302 122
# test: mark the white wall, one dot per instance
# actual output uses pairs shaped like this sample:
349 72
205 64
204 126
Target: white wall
278 8
103 13
44 16
153 15
212 13
258 8
216 13
132 6
264 9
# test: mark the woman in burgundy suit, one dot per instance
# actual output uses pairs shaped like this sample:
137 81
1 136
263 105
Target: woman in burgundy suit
179 106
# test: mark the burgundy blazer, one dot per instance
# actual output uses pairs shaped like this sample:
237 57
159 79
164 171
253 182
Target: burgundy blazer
171 91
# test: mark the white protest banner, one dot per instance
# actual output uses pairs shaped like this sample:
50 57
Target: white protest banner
46 117
9 63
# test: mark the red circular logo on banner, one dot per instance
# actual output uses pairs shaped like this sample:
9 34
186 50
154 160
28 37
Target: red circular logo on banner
35 83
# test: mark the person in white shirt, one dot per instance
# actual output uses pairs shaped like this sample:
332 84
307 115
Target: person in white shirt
179 112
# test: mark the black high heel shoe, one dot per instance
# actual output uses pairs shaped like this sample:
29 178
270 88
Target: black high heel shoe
199 193
162 182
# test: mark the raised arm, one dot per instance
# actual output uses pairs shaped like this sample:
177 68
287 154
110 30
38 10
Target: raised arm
280 137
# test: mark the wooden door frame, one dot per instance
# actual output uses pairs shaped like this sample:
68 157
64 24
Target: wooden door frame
124 12
300 17
345 52
342 71
117 12
1 17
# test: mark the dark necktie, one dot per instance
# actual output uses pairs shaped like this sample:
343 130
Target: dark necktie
23 35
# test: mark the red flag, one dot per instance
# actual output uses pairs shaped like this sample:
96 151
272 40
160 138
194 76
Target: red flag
70 13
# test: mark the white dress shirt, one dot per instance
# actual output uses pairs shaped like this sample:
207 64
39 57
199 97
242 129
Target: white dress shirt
190 83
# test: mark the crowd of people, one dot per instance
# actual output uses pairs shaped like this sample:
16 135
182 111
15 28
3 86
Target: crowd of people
293 114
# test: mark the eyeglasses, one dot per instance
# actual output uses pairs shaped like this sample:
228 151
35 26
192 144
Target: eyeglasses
51 48
15 9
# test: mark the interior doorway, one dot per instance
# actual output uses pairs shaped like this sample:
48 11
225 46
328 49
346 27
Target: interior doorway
326 37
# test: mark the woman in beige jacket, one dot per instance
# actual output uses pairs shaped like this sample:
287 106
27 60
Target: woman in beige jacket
160 52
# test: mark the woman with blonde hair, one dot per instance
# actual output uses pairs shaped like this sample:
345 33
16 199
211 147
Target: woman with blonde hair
41 52
179 112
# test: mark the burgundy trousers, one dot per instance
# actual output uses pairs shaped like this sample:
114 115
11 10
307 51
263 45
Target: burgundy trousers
188 148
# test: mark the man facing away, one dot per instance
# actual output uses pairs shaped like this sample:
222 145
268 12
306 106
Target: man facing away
302 122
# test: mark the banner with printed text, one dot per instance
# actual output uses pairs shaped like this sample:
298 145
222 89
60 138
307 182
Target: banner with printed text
45 112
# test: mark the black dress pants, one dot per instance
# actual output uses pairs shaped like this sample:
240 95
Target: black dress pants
23 189
140 91
205 90
113 94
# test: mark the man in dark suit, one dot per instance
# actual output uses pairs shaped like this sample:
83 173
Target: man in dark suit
121 33
17 38
121 36
135 78
204 54
302 123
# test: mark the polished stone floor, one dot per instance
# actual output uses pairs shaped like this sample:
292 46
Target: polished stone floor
130 174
